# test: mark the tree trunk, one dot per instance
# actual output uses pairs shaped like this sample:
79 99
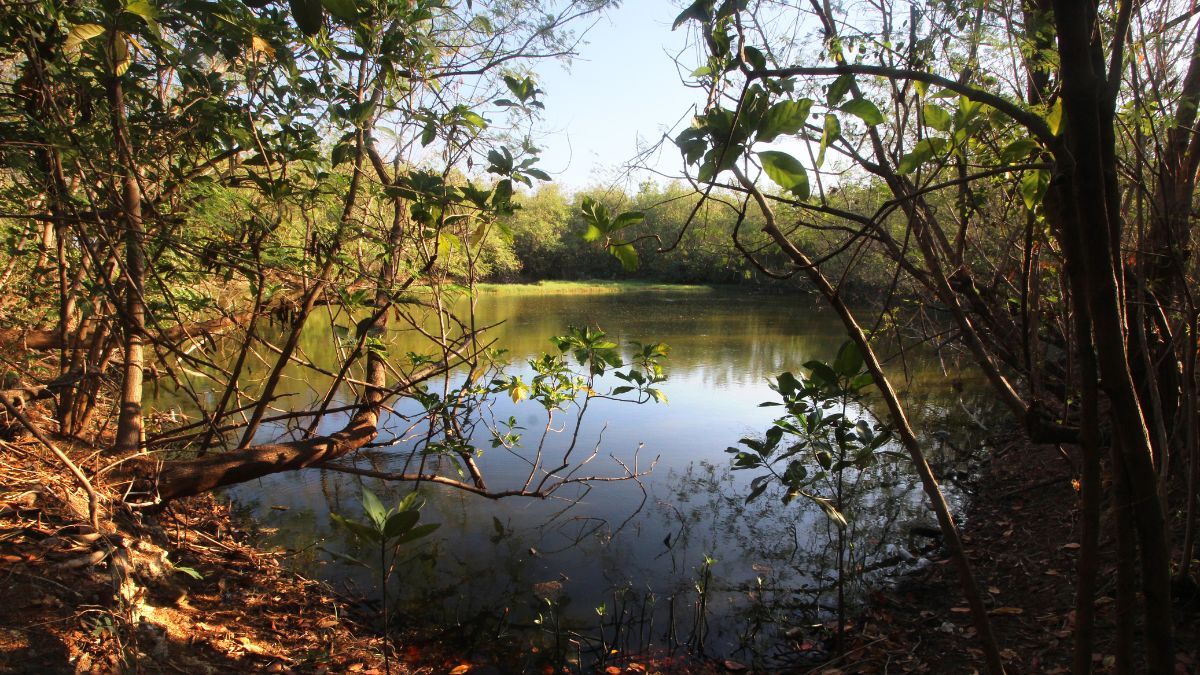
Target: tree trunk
130 427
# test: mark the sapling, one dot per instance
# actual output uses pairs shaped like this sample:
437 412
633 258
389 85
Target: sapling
389 529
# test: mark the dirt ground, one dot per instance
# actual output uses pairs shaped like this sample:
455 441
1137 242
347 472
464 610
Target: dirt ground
1022 535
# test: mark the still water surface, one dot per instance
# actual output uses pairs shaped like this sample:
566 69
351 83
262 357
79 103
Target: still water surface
636 547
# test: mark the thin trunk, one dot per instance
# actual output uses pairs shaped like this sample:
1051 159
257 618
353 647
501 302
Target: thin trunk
130 426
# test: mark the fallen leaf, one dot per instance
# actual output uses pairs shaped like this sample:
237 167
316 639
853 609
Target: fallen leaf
993 590
1071 546
463 668
734 666
960 610
1009 611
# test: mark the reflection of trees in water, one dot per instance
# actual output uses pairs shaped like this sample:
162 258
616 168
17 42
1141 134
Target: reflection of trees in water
773 564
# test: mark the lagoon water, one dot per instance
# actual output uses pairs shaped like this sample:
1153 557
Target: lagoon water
639 548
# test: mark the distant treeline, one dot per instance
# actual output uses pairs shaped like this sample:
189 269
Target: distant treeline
543 240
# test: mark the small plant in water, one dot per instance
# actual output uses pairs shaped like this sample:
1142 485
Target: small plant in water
828 432
388 529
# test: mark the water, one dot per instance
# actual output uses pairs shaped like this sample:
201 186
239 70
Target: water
638 547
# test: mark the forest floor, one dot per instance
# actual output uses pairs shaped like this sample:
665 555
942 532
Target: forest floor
185 592
1021 534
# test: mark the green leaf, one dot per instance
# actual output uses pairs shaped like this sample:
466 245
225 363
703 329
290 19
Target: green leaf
309 15
146 12
627 254
447 244
658 394
626 219
1018 150
785 118
936 117
921 153
417 533
1054 117
786 171
1033 187
400 523
342 557
342 9
758 490
863 110
699 10
831 132
190 571
373 508
839 88
360 530
849 359
822 373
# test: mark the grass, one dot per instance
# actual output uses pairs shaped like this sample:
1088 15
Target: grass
593 287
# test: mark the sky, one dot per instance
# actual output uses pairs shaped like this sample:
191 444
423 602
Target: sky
621 90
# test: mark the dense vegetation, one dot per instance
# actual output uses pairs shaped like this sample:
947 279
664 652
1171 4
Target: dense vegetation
1021 172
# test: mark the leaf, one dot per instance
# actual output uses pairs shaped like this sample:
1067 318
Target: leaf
308 14
922 152
1018 150
360 530
757 491
627 254
863 110
80 34
146 12
936 117
849 359
418 532
626 219
190 571
822 373
1054 117
447 244
261 46
1033 187
1007 611
373 508
830 510
831 132
785 118
786 171
699 10
342 9
838 90
400 523
659 396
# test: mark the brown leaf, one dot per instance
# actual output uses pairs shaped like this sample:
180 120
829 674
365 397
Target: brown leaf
462 668
1009 611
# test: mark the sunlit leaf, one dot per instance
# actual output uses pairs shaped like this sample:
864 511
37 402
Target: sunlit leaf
863 110
627 254
373 508
786 171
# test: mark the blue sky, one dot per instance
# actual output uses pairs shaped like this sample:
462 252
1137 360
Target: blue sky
623 86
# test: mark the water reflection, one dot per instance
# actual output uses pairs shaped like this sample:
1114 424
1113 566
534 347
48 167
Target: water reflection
637 548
